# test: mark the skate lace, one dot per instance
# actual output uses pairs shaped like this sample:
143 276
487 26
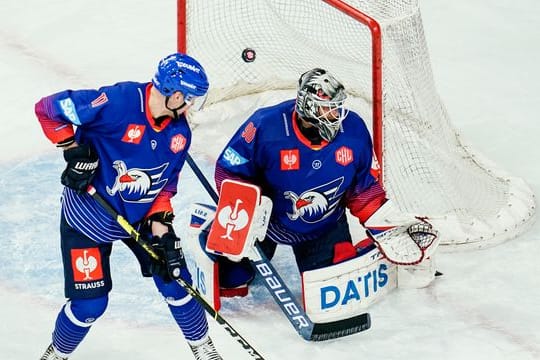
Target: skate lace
206 351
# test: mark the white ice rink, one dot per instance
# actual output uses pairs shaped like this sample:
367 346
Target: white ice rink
486 59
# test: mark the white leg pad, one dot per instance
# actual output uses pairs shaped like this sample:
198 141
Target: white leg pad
346 289
204 271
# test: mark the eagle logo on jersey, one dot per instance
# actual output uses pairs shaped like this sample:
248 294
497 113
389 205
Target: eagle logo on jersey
315 204
137 185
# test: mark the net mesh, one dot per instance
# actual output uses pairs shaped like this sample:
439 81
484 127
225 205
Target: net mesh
428 169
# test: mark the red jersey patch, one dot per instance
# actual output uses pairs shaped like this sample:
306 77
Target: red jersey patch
290 159
100 100
134 133
86 264
344 156
249 132
178 143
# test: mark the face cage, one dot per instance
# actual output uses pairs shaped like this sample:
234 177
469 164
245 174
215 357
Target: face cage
328 115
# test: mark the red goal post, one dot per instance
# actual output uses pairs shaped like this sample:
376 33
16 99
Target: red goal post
378 50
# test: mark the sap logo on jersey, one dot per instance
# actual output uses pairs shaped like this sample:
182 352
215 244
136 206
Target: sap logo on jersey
69 111
233 158
355 289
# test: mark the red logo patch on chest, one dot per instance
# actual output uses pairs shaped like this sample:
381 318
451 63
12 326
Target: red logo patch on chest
290 159
344 156
134 133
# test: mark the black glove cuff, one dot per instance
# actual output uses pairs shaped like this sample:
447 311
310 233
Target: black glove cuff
66 142
164 217
81 152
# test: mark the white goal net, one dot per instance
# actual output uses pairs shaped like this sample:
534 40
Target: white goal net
254 48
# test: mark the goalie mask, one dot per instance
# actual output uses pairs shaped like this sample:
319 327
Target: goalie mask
320 101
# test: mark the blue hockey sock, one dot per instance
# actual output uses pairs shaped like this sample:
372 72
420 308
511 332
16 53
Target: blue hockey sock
69 331
190 317
187 312
67 335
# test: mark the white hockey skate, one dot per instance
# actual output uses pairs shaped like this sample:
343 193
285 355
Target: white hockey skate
50 354
205 351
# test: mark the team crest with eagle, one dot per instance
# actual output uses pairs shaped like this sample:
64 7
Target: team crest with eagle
137 185
315 204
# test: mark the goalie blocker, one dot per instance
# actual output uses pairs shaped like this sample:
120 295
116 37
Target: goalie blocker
231 230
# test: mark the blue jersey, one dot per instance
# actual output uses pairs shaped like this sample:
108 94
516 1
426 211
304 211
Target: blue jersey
310 186
137 162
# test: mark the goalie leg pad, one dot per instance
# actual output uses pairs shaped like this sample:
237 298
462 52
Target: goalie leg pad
344 290
204 268
213 275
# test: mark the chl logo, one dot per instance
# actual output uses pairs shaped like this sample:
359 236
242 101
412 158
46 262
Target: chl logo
178 143
86 264
344 156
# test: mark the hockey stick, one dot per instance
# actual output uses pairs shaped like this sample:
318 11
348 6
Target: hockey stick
282 295
191 291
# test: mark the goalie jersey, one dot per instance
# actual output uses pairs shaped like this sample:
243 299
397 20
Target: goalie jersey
310 185
138 159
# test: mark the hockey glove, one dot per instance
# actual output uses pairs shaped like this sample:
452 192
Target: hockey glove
423 234
173 265
82 164
406 244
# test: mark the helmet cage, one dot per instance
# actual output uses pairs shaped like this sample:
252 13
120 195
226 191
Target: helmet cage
320 101
326 115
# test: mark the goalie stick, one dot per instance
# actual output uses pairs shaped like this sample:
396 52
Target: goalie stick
282 295
191 291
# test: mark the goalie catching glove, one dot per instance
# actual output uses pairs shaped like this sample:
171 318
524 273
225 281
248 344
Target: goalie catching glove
401 238
173 265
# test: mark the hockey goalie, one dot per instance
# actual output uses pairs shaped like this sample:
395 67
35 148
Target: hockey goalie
287 176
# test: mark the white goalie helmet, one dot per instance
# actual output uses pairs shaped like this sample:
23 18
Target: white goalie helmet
320 101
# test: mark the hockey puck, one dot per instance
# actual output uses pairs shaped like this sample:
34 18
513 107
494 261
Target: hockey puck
248 55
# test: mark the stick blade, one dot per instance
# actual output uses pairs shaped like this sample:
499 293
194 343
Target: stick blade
337 329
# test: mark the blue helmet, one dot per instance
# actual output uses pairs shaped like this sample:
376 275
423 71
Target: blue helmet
180 72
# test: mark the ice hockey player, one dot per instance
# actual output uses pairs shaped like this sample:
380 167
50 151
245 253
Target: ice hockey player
129 141
314 159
